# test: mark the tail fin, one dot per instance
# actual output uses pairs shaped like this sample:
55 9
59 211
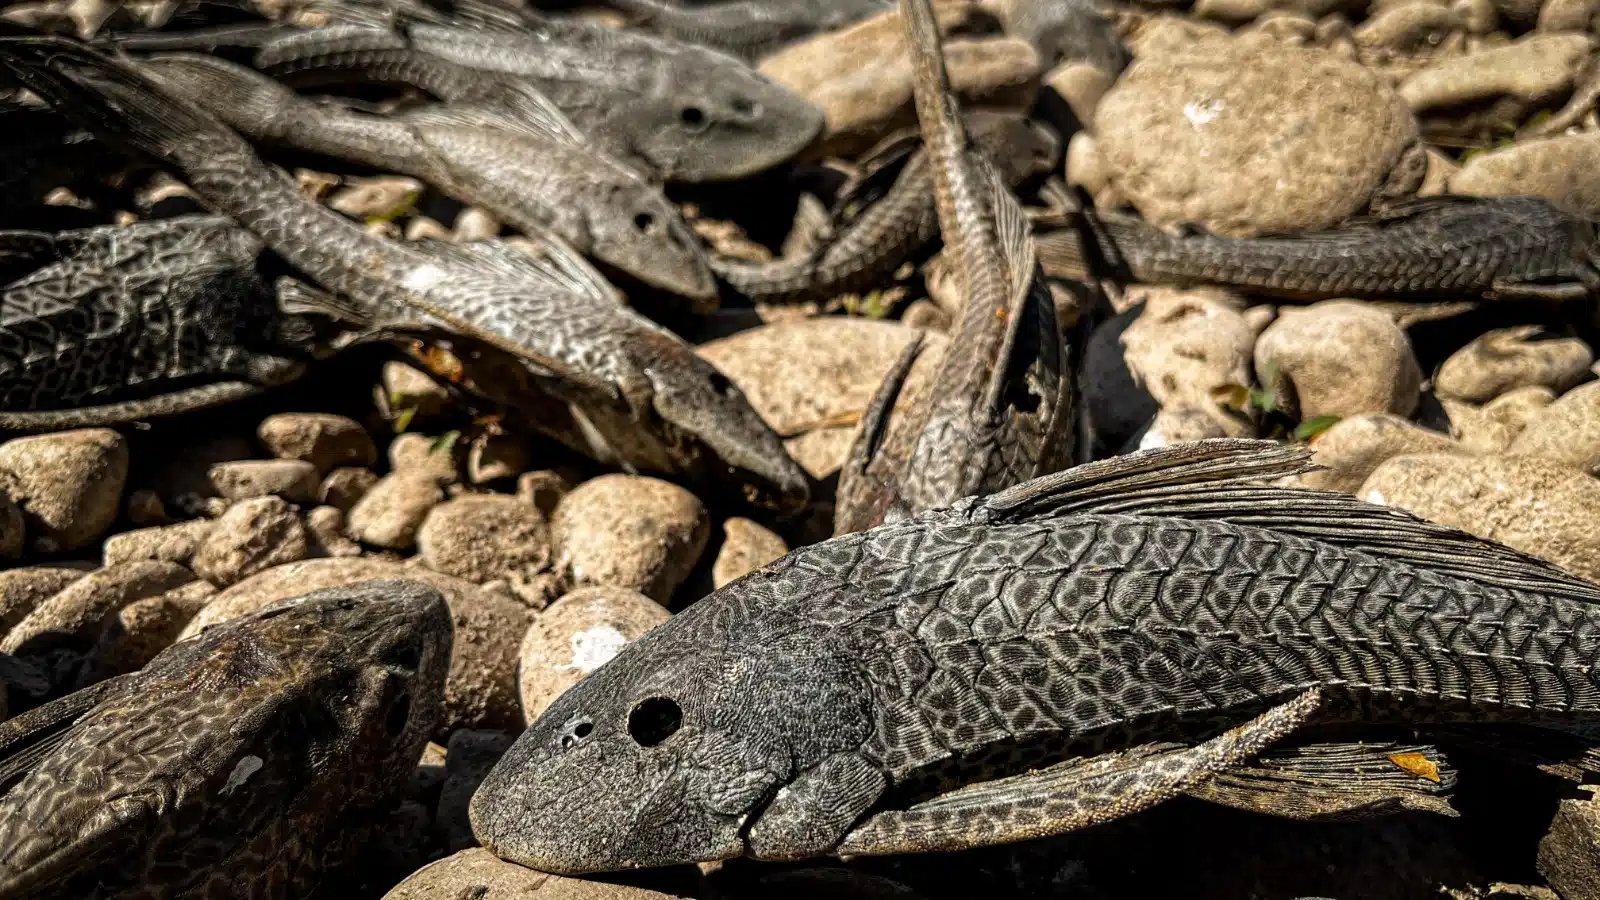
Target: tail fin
250 102
116 102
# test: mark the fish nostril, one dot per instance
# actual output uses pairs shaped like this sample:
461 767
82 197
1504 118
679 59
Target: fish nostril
693 117
746 107
643 221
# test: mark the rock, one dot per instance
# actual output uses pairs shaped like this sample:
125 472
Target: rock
822 451
1510 358
807 374
860 76
475 225
543 489
926 315
1492 427
390 514
325 529
344 486
1568 15
1352 448
579 633
1542 508
1567 431
481 689
324 441
1569 854
495 456
1084 168
22 590
407 388
1436 180
252 536
1338 358
630 531
170 543
468 758
1558 168
1179 424
291 479
383 197
1408 28
420 453
479 875
1185 345
1240 11
1210 137
484 537
144 628
73 617
428 778
68 484
746 546
1518 12
13 529
1514 78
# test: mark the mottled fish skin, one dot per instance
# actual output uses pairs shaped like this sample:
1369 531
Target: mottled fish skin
747 28
1160 597
120 315
1000 409
534 172
1455 247
234 763
683 112
637 382
866 249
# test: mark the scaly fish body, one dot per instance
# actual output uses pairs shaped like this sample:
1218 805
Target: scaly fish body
747 28
232 764
1147 601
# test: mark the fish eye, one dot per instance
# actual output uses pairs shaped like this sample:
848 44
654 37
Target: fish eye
654 720
643 221
692 117
721 384
394 721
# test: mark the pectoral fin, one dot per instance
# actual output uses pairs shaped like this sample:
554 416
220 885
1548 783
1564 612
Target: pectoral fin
186 400
1071 796
811 812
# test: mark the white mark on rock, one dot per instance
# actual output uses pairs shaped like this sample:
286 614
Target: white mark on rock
1376 497
424 277
593 648
1152 440
247 766
1202 113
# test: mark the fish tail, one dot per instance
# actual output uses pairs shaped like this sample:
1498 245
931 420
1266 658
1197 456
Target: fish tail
936 106
245 99
116 102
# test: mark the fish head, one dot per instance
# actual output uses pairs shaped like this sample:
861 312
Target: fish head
1019 146
713 432
724 121
652 242
668 754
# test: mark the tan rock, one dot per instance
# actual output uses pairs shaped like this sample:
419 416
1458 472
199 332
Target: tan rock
1561 169
407 388
478 874
484 537
79 610
1569 15
425 454
1338 358
543 489
1239 11
145 509
496 456
1441 169
630 531
469 756
144 628
579 633
325 441
253 535
171 543
1180 424
1185 345
1492 427
1532 70
1542 508
1082 85
326 530
861 76
1510 358
1083 166
68 484
746 546
292 479
1414 26
383 197
390 514
1353 448
822 451
345 485
1212 136
1173 35
13 529
1567 431
481 689
1569 854
23 590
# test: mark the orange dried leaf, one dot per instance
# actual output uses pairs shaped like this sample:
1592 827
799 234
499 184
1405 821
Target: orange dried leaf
1417 764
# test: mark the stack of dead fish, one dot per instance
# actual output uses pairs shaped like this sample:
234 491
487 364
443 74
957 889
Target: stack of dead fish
998 646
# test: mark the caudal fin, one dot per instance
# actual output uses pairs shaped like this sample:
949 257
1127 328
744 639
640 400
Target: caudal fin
252 103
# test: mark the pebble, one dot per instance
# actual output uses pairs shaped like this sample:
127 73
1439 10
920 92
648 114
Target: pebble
1082 85
325 441
543 489
1510 358
484 537
1529 71
1567 431
475 225
292 479
860 77
346 485
1490 428
469 755
479 875
822 451
382 197
1411 27
630 531
325 529
1568 15
1180 424
1339 358
144 628
253 535
579 633
493 457
146 509
13 528
481 688
746 546
1569 853
1211 136
390 514
1560 169
79 610
169 543
22 590
433 456
1542 508
1186 344
1353 448
406 387
68 485
182 480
